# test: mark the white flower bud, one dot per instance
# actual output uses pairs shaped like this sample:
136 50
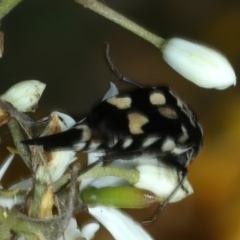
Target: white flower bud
201 65
162 181
24 96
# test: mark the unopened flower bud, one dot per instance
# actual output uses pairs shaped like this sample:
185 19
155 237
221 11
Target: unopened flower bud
119 197
24 96
201 65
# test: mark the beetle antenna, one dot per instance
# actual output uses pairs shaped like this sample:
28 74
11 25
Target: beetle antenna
115 70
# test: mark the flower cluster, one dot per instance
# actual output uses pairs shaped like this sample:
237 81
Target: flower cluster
129 184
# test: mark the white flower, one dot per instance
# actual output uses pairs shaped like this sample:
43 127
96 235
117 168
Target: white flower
200 64
72 232
24 96
162 181
8 201
23 185
113 91
118 224
156 178
5 165
89 230
153 176
57 161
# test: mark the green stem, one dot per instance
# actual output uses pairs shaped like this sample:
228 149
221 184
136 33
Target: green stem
131 175
23 149
34 230
114 16
6 6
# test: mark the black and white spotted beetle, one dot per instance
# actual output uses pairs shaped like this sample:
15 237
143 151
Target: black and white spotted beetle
152 122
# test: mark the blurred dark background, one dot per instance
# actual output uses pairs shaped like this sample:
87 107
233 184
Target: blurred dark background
62 44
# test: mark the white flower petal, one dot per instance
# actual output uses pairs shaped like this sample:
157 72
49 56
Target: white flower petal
94 156
113 91
66 119
5 165
58 160
58 165
21 238
162 181
200 64
120 225
23 185
9 202
71 232
109 181
25 95
89 230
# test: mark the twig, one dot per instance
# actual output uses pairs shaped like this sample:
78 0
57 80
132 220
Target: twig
14 127
1 43
23 149
21 117
6 6
73 187
114 16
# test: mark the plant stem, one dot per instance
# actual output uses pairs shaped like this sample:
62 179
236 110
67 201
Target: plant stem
1 43
6 6
23 149
114 16
131 175
19 223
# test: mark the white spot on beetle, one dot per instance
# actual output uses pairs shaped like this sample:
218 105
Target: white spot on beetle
79 146
178 151
127 142
157 98
184 137
179 101
86 132
200 127
120 102
136 122
168 112
189 113
93 145
184 108
112 143
149 141
168 145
